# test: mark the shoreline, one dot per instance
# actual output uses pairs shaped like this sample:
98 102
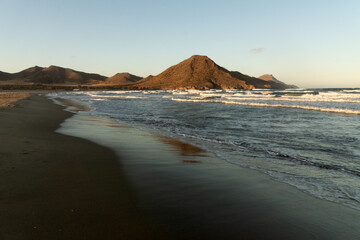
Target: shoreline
199 196
54 186
123 183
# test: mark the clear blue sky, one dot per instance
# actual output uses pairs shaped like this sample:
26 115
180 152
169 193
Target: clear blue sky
308 43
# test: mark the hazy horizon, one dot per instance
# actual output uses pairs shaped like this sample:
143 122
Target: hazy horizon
309 44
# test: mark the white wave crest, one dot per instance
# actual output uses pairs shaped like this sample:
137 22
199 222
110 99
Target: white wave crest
99 99
116 96
330 110
294 99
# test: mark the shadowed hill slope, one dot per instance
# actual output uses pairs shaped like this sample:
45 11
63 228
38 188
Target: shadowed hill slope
122 79
53 75
4 76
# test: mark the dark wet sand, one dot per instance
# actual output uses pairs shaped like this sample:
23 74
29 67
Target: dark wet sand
54 186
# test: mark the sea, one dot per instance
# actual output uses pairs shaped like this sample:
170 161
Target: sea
307 138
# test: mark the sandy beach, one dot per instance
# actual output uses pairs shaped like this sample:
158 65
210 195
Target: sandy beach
58 187
140 186
8 98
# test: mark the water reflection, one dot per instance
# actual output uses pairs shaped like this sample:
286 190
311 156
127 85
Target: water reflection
183 148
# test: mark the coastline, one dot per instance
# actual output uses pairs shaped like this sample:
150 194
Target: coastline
199 196
54 186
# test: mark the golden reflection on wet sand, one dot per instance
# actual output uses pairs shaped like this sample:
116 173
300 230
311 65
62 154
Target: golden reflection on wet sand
7 99
183 148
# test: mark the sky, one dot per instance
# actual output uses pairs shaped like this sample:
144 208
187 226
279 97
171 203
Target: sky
307 43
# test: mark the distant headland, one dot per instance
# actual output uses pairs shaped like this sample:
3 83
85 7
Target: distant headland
196 72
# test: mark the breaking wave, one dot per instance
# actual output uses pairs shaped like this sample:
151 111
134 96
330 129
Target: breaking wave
330 110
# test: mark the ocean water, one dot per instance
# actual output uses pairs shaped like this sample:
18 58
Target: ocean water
308 138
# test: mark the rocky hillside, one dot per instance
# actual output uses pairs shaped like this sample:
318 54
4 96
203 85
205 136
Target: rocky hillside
196 72
200 72
122 79
52 75
4 76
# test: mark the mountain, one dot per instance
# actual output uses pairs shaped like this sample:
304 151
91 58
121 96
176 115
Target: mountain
258 83
200 72
53 75
269 77
4 76
27 73
274 81
122 79
196 72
